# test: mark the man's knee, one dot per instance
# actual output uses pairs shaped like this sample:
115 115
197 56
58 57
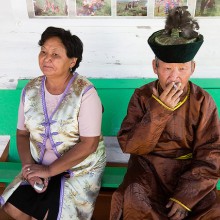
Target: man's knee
136 198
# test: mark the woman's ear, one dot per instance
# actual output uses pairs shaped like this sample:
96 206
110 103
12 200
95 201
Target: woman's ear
73 62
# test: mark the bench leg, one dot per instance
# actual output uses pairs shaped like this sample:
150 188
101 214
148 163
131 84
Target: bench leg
103 204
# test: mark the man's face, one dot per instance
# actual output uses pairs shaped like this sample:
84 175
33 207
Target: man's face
173 72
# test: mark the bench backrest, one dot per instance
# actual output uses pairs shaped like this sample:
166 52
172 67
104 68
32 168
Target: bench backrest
114 93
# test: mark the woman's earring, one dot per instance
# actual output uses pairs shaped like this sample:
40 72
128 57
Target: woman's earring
70 69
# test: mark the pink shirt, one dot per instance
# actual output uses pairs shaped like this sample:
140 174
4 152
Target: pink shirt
90 118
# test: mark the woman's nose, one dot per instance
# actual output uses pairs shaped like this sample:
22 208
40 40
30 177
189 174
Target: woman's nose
47 58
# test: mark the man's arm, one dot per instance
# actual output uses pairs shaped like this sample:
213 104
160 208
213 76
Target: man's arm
143 124
201 178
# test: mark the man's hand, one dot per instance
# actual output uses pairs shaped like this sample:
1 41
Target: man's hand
171 95
177 212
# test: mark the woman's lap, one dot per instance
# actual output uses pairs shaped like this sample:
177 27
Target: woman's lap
26 199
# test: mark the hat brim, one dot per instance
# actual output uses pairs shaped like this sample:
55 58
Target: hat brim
180 53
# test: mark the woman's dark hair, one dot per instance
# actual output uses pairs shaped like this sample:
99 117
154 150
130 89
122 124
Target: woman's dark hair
73 45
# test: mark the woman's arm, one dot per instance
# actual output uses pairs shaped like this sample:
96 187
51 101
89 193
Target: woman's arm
74 156
23 142
23 145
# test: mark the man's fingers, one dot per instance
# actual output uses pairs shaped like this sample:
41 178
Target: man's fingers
46 181
168 92
171 213
176 97
178 215
175 89
177 212
168 89
169 204
155 92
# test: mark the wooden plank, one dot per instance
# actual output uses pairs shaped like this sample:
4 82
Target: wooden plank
103 204
212 83
9 101
113 176
135 82
218 185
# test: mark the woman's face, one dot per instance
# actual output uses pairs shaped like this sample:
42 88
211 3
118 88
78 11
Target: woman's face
173 72
53 60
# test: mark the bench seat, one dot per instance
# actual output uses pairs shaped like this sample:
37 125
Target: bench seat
114 94
112 176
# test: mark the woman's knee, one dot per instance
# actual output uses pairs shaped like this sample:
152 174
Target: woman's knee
6 208
14 212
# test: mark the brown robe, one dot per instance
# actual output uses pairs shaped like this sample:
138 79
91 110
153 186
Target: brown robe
155 137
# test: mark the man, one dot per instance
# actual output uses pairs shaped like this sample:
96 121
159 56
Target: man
172 132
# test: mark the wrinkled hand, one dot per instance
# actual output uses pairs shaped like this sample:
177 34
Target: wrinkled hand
32 170
25 172
171 95
36 179
32 179
177 212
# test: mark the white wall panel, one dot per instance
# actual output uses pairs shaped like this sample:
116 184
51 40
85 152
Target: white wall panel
113 48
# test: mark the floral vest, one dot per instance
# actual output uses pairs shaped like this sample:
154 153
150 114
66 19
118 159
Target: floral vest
62 126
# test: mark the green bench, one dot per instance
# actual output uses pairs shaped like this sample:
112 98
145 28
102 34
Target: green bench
115 95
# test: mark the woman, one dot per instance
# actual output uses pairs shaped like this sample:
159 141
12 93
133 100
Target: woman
58 137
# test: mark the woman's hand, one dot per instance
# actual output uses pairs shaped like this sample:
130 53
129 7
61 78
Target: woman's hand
177 212
33 170
33 180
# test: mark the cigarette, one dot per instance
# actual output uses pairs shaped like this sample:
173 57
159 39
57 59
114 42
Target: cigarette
175 86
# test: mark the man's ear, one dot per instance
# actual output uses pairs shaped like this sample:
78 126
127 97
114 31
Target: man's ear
154 65
193 66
